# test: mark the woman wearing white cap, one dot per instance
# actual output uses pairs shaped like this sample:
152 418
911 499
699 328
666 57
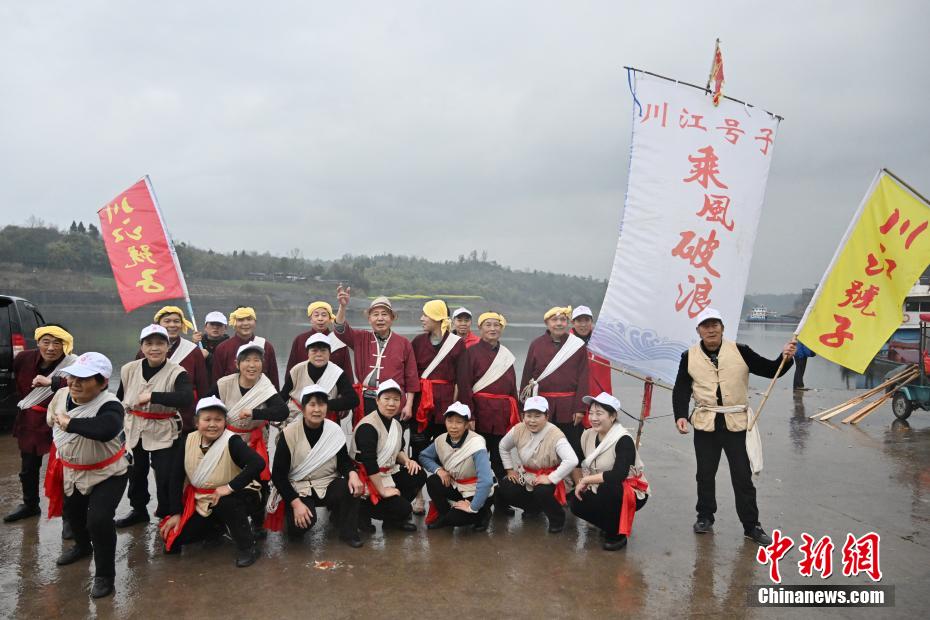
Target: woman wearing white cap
461 325
317 369
252 402
544 458
213 335
243 320
153 390
609 485
460 481
212 486
312 469
87 467
391 478
598 367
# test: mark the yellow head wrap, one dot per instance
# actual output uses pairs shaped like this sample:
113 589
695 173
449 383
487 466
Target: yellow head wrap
241 313
174 310
492 315
67 340
321 304
556 310
437 310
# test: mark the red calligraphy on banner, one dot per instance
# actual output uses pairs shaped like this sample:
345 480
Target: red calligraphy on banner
653 111
704 168
731 127
138 248
690 121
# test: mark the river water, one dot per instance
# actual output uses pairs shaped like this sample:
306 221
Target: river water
115 335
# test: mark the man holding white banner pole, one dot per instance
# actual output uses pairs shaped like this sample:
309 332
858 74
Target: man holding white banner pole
715 373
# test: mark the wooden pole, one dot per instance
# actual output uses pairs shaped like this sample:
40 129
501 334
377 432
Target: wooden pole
909 374
644 410
765 397
863 413
631 374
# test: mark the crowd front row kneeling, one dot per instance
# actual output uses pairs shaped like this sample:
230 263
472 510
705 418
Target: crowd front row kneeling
477 444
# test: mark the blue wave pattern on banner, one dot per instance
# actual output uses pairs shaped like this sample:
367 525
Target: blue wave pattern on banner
629 343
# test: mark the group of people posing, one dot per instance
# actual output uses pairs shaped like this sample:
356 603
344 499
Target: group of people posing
360 434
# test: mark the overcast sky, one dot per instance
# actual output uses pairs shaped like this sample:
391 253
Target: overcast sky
434 128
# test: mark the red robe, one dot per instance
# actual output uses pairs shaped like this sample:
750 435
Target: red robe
32 432
490 416
224 359
571 378
397 363
471 340
447 370
598 372
196 366
298 354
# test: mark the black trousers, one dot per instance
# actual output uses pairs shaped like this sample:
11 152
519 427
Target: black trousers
421 441
256 505
396 509
707 448
342 507
494 452
602 509
441 495
800 365
91 519
572 434
370 404
230 514
30 465
160 462
542 497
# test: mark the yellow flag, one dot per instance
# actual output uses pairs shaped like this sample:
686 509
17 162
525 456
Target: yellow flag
858 304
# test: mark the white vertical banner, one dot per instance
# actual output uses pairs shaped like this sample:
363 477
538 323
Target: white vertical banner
694 196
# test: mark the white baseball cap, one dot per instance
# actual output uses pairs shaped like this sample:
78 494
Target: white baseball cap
707 314
250 346
458 408
462 310
215 317
582 311
319 339
390 384
211 402
310 390
536 403
90 364
153 330
603 399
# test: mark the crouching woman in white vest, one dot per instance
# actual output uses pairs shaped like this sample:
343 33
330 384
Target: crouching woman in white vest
461 482
536 477
87 466
213 483
312 468
609 485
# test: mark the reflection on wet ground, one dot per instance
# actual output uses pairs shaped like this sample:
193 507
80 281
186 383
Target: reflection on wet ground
819 478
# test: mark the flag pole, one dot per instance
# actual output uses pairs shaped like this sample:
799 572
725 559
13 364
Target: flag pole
645 409
174 253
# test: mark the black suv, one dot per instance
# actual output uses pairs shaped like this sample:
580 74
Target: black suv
19 319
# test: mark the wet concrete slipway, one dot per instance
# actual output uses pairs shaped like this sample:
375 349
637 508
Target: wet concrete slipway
821 479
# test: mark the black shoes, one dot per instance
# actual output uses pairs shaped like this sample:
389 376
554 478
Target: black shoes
555 528
366 526
404 526
758 535
614 543
73 554
703 525
23 511
134 516
246 557
438 524
484 519
103 586
353 541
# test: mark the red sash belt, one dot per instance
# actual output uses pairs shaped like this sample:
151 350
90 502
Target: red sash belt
190 504
432 514
514 411
628 503
39 409
257 442
360 408
427 404
559 492
148 415
373 496
556 394
55 477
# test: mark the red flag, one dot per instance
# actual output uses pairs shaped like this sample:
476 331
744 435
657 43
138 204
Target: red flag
140 251
716 74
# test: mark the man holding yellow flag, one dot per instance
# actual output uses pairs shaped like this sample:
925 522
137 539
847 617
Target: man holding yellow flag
858 304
